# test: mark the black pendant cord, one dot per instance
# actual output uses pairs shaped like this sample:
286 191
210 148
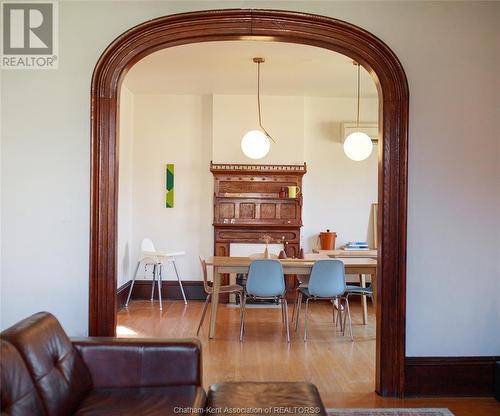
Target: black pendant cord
258 104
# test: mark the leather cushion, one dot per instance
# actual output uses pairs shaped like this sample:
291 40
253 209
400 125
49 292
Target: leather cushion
146 401
137 362
18 393
56 367
278 398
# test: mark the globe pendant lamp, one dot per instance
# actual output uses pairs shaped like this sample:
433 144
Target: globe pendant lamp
255 144
358 145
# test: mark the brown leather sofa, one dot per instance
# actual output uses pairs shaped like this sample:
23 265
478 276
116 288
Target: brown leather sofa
43 372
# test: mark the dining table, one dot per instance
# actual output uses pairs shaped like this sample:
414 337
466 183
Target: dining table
226 265
365 253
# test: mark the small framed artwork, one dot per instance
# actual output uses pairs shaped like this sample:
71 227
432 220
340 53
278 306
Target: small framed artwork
169 193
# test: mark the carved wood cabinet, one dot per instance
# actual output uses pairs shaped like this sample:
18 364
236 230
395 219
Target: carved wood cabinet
247 205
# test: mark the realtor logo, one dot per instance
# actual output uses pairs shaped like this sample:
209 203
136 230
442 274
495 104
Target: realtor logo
29 35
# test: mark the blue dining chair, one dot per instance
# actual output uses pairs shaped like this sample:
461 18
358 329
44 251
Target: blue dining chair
326 282
266 281
360 291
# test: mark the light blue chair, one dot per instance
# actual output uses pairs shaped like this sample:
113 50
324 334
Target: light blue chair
326 282
360 291
266 281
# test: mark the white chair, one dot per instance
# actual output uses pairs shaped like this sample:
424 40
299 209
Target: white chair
150 257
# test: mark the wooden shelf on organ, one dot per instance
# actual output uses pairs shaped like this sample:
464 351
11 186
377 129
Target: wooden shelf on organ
247 205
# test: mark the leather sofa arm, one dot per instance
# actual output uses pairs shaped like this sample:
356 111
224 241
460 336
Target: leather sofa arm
124 362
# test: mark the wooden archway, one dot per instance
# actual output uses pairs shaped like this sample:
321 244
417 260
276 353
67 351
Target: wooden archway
280 26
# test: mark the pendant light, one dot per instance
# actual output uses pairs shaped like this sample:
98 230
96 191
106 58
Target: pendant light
255 144
358 145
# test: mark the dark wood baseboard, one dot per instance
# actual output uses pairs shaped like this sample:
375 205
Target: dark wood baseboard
169 291
450 376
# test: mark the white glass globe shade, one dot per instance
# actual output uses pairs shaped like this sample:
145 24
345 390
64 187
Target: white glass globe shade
255 144
358 146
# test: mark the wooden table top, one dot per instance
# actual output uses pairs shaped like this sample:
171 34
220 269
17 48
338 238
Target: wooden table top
221 261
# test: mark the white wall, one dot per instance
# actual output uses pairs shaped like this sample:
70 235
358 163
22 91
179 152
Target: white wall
125 266
450 55
235 115
173 129
192 130
338 193
156 130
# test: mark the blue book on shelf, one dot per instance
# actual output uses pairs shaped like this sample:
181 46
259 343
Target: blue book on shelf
357 244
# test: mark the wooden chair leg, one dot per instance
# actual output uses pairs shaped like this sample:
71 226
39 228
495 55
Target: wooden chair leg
241 294
242 317
205 305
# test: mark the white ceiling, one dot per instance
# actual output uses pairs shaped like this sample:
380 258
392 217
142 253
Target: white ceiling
227 68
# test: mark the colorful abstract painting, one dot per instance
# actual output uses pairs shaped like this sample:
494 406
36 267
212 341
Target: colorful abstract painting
169 194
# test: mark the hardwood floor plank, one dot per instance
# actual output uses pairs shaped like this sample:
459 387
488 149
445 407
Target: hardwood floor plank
343 371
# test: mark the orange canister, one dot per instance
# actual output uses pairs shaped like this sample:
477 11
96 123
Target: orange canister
327 240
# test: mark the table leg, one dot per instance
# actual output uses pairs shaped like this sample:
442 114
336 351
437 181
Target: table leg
215 301
362 282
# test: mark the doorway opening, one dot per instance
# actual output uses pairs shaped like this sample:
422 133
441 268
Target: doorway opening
280 26
187 120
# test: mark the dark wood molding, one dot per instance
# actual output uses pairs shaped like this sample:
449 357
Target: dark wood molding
280 26
452 376
253 168
169 291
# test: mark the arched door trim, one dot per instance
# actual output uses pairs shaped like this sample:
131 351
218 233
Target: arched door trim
279 26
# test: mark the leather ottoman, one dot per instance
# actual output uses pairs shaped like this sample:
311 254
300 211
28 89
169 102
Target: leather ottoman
269 398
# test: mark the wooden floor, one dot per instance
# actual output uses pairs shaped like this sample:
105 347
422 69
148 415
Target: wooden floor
343 371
